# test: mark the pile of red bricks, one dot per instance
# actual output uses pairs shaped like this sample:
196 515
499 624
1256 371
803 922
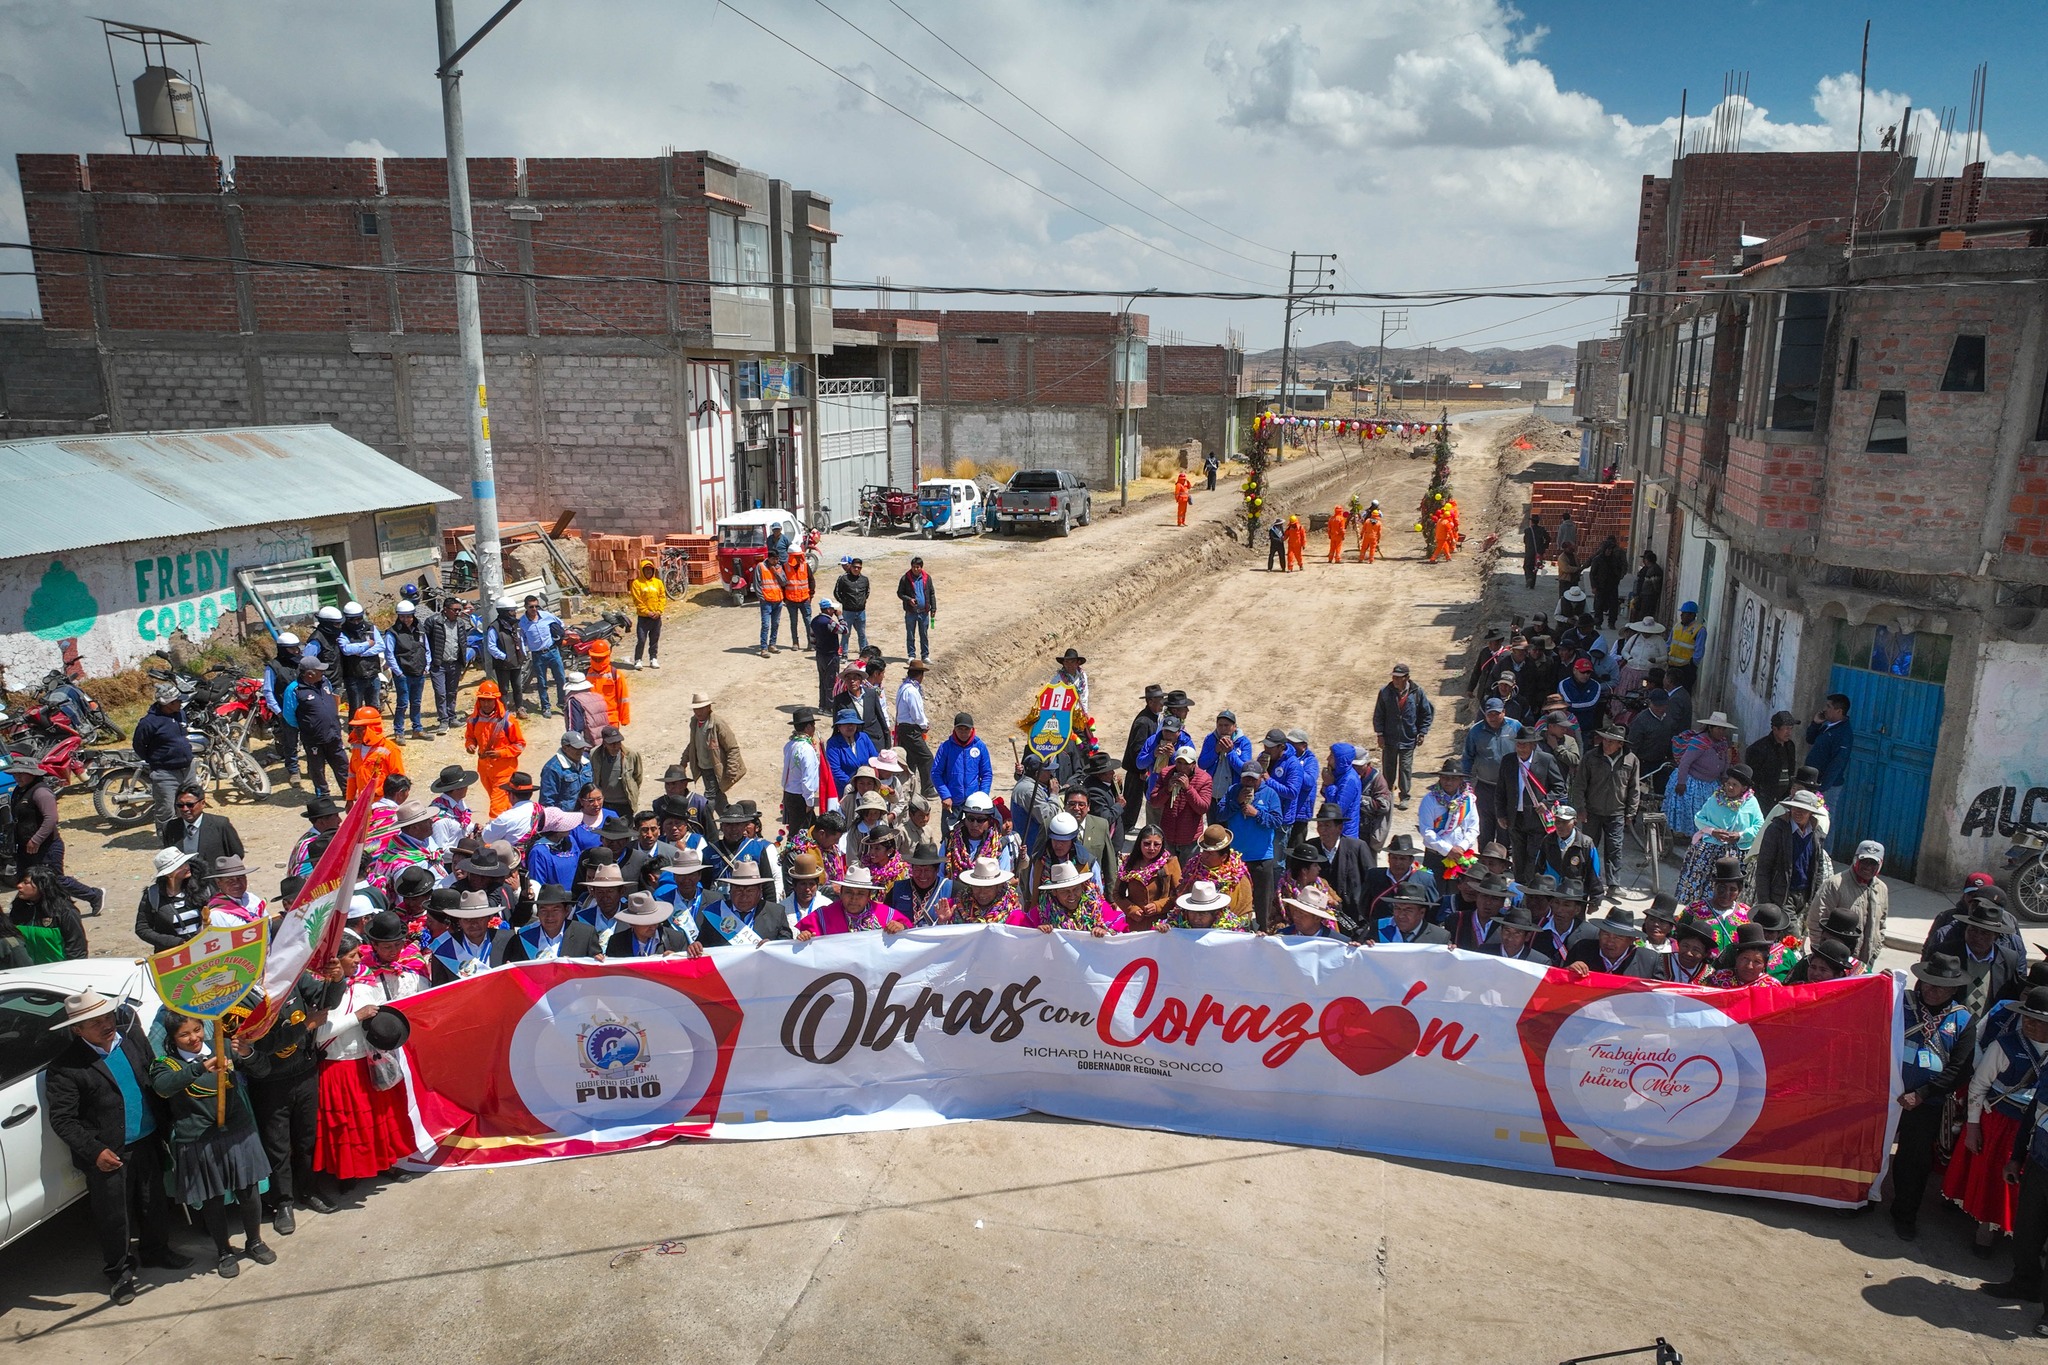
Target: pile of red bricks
615 559
1599 510
701 557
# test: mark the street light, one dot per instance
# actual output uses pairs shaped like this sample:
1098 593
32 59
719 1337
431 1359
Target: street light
483 486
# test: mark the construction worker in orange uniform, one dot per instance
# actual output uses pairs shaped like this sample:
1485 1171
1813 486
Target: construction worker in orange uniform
1182 491
1297 543
1446 532
1339 519
372 756
608 682
768 582
497 740
796 595
1369 533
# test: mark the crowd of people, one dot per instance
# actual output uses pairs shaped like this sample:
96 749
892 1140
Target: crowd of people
1514 848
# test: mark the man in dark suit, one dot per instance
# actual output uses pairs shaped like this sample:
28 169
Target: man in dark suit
1514 937
102 1108
1529 782
644 930
1983 937
744 912
1474 923
1382 884
1616 950
198 831
1405 920
1347 864
551 935
1143 726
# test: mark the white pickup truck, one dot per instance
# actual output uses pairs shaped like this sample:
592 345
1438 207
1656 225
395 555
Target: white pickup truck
1041 497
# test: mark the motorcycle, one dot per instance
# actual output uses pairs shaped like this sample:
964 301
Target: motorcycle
122 795
2026 873
607 629
60 693
49 741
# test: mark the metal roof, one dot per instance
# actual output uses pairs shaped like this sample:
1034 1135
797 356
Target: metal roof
64 493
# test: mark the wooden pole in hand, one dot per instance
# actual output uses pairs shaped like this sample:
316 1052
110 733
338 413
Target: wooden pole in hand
220 1080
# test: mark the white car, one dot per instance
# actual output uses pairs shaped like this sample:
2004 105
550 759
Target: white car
35 1168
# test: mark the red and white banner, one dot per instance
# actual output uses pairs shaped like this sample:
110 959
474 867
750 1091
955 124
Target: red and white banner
1410 1051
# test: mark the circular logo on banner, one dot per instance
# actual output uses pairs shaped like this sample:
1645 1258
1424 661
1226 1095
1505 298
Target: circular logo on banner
1654 1079
617 1055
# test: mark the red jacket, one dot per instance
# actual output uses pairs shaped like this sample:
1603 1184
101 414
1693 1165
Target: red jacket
1183 804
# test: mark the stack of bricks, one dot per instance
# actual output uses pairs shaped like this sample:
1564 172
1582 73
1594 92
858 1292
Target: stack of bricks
1599 510
614 560
700 557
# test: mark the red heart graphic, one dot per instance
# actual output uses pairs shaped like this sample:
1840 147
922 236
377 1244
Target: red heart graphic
1365 1039
1672 1075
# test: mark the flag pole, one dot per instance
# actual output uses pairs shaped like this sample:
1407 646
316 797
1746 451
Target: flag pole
220 1080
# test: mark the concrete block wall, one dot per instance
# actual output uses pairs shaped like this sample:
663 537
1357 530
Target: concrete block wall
41 382
1070 438
167 390
353 393
1170 419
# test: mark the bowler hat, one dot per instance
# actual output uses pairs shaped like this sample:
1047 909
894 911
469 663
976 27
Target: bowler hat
321 807
521 784
1331 812
387 1029
1404 845
1942 969
1727 870
454 777
1837 952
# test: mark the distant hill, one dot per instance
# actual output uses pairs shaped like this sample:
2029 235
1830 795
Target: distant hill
1332 359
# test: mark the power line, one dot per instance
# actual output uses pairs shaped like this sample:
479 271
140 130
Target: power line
1073 170
1495 327
1075 138
1411 297
992 165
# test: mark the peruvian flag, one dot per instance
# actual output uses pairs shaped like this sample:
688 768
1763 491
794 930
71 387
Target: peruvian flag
308 934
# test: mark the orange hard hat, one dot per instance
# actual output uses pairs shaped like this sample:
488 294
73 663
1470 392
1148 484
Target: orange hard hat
366 715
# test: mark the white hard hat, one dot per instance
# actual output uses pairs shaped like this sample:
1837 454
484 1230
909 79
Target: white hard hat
351 609
407 609
1065 826
506 604
287 639
328 614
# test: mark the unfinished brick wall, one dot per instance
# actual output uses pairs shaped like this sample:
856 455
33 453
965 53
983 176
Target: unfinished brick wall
1929 500
1774 488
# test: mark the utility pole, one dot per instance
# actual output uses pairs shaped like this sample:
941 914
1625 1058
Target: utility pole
1123 416
1398 317
483 485
1321 280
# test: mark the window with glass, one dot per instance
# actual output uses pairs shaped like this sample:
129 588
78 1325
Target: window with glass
1694 372
754 266
1795 392
1965 373
821 263
725 271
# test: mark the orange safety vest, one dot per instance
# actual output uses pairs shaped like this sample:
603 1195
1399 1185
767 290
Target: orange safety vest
798 570
771 590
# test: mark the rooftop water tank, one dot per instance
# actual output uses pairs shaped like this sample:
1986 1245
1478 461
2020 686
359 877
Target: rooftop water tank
166 106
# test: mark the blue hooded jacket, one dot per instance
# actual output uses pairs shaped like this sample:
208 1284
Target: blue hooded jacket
1309 789
1344 788
1223 768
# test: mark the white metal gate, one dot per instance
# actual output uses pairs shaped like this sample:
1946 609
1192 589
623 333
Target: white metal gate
853 442
709 442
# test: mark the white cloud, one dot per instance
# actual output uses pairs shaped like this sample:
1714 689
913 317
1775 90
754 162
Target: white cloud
1424 141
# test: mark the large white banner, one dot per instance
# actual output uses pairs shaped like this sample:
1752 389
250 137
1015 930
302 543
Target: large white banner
1415 1051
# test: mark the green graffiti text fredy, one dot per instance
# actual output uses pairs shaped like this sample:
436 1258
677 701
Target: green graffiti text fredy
166 578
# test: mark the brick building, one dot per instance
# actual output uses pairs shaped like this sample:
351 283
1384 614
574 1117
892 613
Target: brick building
1192 394
646 406
1844 459
1597 404
1040 389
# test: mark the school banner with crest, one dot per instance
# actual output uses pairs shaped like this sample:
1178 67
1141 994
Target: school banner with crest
1409 1051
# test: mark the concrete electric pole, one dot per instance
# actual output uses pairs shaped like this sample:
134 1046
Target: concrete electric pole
1321 279
469 330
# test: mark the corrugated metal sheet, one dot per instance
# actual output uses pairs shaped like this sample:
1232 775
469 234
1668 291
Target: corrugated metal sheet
64 493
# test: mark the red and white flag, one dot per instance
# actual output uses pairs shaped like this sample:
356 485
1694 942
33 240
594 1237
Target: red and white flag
308 935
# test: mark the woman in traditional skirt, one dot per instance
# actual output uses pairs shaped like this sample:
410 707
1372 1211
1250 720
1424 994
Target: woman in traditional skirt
2010 1054
1725 825
210 1160
363 1129
1702 755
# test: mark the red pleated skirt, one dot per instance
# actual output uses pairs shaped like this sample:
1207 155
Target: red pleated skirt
1977 1181
363 1130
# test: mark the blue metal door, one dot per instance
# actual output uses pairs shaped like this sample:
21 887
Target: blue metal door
1896 721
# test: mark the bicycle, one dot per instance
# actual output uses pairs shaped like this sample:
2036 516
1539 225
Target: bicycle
1648 830
673 564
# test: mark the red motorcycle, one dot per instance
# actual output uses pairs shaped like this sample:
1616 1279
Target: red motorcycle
46 737
607 629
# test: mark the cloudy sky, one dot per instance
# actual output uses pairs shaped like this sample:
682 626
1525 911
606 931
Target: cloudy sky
1113 144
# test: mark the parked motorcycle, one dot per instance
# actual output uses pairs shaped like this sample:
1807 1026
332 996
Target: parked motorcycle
122 795
607 629
47 740
60 693
2026 873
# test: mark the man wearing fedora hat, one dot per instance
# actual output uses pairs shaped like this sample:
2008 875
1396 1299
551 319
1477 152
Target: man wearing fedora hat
1606 793
1982 937
746 911
1402 715
453 819
681 885
467 949
1311 913
1564 926
233 904
411 845
1514 935
1447 818
521 818
1531 784
1348 864
617 771
1217 863
1477 899
801 770
1615 949
984 893
712 751
1940 1045
1691 959
913 725
1855 890
916 898
1791 855
644 931
103 1110
1403 870
1404 918
551 935
1144 726
603 888
1071 668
